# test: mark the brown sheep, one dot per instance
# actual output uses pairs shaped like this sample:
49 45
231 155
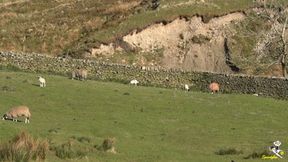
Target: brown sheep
80 74
16 112
214 87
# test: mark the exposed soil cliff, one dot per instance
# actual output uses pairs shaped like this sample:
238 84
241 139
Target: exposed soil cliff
188 44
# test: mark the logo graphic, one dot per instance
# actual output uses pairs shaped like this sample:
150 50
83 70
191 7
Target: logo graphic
275 149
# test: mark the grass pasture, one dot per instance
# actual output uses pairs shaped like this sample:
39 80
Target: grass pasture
149 124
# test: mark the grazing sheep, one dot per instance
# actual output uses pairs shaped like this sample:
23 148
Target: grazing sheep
42 81
134 82
186 87
80 74
214 87
16 112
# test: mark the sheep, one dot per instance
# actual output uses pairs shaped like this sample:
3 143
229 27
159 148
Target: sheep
258 94
134 82
80 74
42 81
16 112
214 87
186 87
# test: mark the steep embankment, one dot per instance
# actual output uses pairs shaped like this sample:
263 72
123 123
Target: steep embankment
250 42
73 27
184 43
147 32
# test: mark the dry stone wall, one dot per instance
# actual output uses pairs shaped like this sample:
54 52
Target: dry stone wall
275 87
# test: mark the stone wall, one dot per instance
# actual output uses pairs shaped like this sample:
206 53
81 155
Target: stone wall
275 87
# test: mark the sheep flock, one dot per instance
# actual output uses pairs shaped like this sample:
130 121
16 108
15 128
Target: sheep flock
79 74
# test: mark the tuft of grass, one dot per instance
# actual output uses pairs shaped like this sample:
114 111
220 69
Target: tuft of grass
7 88
228 151
69 151
126 94
54 130
256 155
200 39
82 139
24 148
108 145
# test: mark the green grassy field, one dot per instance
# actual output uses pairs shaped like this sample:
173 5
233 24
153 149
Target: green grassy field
149 124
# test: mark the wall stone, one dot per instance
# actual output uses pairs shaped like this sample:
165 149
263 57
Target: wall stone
148 76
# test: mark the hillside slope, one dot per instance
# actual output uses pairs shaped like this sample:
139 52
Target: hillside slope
186 34
149 124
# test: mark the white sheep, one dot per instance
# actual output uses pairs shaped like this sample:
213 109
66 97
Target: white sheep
186 87
42 81
80 74
134 82
16 112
